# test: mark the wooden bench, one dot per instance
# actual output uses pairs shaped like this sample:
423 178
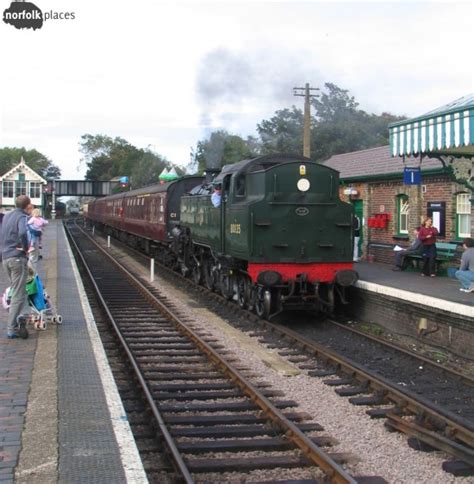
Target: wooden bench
445 252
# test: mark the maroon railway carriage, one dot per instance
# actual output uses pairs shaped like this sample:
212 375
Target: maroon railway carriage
143 216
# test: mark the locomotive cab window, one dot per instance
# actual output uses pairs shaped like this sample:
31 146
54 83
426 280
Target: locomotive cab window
240 186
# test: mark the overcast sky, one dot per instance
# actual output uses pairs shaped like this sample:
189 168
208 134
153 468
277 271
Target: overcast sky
162 74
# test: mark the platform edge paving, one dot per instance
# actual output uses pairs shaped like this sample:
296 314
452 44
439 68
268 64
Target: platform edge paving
422 299
103 450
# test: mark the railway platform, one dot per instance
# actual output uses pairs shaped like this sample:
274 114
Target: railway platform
410 286
426 310
61 418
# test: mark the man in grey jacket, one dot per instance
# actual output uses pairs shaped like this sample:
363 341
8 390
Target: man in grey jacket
465 274
14 241
415 248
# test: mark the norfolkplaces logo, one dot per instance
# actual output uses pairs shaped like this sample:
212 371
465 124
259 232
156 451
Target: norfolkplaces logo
26 15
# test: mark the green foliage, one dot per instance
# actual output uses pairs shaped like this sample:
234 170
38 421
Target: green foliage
10 157
223 148
340 127
108 158
337 126
282 133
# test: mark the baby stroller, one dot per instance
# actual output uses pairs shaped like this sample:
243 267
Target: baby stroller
43 311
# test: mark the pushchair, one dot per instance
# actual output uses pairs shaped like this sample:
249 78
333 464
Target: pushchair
42 310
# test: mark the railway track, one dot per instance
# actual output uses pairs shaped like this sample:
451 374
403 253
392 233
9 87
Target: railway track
434 409
206 410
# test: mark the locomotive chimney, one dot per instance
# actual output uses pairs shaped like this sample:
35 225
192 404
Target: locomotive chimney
211 173
213 154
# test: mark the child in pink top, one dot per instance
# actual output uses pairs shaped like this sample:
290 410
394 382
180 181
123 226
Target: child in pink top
35 225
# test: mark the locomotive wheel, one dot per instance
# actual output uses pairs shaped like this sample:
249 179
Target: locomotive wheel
209 276
197 274
243 291
225 286
263 303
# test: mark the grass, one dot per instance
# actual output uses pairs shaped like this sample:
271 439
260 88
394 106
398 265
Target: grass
371 328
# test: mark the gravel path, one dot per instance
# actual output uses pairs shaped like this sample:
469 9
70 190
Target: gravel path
380 452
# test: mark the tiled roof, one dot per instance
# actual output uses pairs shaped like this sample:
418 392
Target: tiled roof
376 161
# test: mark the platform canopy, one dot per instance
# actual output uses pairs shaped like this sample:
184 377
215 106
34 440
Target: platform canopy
448 130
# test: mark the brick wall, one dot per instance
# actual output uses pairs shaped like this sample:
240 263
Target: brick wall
381 197
451 332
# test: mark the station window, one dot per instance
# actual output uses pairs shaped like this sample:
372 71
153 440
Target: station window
35 190
8 188
20 188
403 212
463 215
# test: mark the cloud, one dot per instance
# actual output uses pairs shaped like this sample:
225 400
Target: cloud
233 83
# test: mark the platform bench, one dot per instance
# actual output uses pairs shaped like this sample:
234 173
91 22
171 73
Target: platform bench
445 252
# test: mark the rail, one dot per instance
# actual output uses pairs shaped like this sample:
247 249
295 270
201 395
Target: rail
306 445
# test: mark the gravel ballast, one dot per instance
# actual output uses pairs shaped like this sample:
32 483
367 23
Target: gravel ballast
380 452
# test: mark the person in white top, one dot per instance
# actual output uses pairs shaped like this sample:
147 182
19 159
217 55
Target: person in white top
216 197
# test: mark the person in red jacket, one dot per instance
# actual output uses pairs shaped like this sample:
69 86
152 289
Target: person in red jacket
427 235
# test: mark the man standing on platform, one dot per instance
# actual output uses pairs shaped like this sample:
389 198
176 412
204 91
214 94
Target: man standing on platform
357 229
14 240
465 274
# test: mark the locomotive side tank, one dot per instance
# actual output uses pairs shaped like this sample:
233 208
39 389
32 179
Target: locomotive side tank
281 237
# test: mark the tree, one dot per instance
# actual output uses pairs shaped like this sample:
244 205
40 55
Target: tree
341 127
107 158
282 133
223 148
10 157
333 105
337 126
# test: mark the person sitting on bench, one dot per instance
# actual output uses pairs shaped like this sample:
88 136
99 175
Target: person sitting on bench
415 248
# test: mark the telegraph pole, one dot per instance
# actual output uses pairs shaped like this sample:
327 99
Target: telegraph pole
305 92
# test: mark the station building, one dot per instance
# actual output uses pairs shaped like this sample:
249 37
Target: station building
389 209
426 171
21 180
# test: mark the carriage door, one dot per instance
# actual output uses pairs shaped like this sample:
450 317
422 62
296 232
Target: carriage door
359 211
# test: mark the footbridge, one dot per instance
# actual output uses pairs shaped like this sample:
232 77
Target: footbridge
80 188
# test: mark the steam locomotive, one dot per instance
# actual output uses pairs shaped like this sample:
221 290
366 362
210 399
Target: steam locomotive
280 239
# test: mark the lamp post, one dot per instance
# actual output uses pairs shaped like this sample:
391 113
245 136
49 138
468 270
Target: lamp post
53 206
